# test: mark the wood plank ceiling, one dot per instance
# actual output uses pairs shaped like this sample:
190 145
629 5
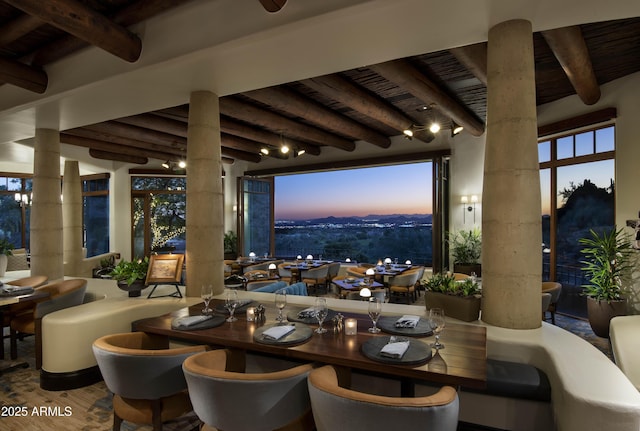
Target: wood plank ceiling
370 104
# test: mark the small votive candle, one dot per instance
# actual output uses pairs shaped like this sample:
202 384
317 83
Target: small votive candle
251 314
351 326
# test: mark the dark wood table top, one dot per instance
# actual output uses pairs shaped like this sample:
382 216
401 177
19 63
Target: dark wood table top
461 362
355 285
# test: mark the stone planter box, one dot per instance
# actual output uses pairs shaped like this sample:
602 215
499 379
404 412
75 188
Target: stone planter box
459 307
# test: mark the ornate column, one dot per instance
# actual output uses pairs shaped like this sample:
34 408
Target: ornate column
46 209
511 221
72 218
205 200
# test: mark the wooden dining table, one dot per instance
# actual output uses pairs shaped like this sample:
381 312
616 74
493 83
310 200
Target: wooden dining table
462 362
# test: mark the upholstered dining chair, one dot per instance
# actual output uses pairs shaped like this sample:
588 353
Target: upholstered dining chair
315 278
33 281
228 399
405 283
546 300
555 289
337 408
356 271
458 276
284 273
145 377
62 294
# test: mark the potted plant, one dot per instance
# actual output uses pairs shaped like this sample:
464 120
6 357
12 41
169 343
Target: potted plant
105 268
230 245
131 275
466 247
608 265
460 299
5 250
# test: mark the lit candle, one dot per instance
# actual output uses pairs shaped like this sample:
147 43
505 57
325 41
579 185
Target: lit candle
351 326
251 313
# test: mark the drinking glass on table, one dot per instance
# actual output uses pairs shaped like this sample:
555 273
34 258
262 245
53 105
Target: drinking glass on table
206 294
375 308
320 308
437 323
281 302
230 303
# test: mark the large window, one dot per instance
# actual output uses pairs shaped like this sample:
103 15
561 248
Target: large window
158 214
576 172
15 208
95 204
365 214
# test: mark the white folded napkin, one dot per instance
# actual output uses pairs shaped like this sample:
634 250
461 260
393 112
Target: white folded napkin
277 332
243 302
394 350
10 290
307 313
189 321
407 321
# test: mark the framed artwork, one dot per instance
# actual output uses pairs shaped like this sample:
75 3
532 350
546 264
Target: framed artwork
165 268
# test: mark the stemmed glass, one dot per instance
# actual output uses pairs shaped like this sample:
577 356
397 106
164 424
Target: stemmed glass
206 294
437 322
375 308
281 302
230 303
320 308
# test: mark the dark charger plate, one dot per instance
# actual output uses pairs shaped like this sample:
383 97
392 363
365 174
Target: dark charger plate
388 325
301 334
417 353
292 316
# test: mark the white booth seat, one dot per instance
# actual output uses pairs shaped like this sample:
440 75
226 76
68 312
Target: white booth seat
625 344
67 335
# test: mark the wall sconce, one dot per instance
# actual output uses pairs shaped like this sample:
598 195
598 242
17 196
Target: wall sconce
22 199
468 207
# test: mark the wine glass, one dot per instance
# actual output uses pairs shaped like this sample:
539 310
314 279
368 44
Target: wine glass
375 308
437 322
206 294
281 302
320 308
230 303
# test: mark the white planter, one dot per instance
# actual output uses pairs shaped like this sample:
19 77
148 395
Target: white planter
3 264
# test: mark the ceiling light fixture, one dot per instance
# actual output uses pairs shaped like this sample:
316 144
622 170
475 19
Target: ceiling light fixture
182 164
264 151
167 164
455 128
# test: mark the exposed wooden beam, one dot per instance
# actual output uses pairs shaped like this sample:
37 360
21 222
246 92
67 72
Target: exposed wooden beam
242 155
349 94
585 120
110 147
132 14
84 23
118 157
287 100
570 49
474 58
407 76
264 118
17 28
23 76
159 124
273 5
139 133
237 143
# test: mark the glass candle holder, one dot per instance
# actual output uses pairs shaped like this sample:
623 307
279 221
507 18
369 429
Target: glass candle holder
350 326
251 314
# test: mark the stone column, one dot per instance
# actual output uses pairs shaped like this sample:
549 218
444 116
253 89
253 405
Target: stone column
46 209
205 200
511 220
72 218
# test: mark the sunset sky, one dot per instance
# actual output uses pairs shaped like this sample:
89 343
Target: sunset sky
401 189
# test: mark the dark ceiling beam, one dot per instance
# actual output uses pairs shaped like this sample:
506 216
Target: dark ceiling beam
294 103
237 128
139 133
118 157
17 28
240 155
75 18
349 94
570 49
273 5
130 15
111 147
23 76
404 74
474 58
289 128
154 122
241 144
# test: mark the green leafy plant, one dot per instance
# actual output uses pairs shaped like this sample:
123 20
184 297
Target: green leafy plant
466 246
447 284
5 247
230 242
130 271
608 264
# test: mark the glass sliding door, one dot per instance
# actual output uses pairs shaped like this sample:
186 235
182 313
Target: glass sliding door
255 214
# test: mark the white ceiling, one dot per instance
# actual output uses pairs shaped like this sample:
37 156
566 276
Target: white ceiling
229 46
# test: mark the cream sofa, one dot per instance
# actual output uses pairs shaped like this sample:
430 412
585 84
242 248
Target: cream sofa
625 344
